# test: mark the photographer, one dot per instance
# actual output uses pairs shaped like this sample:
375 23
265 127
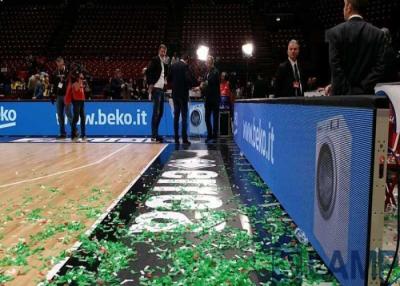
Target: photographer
76 95
59 81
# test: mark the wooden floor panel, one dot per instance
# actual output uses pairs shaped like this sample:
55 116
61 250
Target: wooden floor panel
51 193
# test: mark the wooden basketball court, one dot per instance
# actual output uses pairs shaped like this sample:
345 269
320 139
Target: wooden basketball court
52 193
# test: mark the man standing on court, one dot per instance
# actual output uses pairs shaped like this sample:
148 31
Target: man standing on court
155 76
211 92
356 50
59 89
290 78
181 80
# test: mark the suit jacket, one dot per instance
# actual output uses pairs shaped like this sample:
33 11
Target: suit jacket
356 50
285 78
154 70
116 88
212 91
181 80
260 88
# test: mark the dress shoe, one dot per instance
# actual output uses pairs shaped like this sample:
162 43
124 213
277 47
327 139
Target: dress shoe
61 137
209 140
157 139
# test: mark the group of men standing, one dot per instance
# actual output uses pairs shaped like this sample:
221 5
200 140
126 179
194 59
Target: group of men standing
69 90
356 58
157 75
182 80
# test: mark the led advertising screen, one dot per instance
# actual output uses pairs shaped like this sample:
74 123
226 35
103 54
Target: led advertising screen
317 162
111 118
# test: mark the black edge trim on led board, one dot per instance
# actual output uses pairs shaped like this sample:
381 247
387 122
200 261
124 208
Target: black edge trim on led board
88 100
362 101
370 199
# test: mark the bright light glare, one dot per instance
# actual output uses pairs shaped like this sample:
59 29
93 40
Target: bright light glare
202 53
248 49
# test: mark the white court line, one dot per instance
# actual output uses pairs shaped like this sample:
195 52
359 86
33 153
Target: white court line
56 268
88 140
65 171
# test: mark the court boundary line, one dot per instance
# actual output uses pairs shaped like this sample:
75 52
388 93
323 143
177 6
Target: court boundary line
56 268
46 139
64 171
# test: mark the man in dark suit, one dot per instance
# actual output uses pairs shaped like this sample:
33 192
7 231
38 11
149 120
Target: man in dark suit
290 78
260 87
356 50
211 92
155 75
181 80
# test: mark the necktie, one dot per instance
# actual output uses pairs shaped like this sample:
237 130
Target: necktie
297 78
296 73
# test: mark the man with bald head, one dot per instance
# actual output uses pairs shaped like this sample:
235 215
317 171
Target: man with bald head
290 79
356 52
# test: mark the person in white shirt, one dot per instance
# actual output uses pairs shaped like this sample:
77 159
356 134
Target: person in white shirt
156 73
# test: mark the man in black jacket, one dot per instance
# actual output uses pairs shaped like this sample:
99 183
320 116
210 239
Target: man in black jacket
356 50
211 91
290 78
116 85
59 81
181 81
155 75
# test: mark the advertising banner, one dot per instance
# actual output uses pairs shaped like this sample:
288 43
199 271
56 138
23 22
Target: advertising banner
110 118
317 162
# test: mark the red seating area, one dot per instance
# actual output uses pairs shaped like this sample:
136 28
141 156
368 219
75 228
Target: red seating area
27 29
379 13
122 30
107 36
104 69
224 28
282 6
280 38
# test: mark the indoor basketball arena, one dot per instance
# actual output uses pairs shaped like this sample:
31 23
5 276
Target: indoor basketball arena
199 143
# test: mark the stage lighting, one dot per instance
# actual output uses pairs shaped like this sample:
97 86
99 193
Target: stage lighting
202 53
248 49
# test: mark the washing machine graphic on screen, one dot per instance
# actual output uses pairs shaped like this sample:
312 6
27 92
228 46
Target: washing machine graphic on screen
197 123
332 186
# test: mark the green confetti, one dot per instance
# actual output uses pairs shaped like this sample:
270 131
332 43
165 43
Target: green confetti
17 255
53 190
90 212
197 254
35 215
5 278
52 229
